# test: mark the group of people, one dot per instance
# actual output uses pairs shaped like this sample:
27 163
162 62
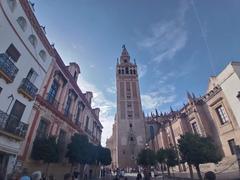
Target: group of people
24 175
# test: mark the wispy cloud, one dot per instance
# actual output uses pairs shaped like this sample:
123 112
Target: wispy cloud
167 37
111 89
142 70
150 101
106 106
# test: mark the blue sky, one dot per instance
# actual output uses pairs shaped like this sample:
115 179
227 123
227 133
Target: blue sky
177 44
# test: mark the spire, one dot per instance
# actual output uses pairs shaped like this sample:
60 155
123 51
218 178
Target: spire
156 112
193 95
125 58
189 97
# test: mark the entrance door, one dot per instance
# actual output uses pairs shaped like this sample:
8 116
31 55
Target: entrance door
15 116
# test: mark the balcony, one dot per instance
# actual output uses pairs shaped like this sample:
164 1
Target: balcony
51 100
12 127
28 89
8 70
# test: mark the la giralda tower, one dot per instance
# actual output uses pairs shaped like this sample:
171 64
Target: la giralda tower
130 128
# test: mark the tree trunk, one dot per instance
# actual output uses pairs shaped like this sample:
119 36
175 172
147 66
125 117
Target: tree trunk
162 169
46 172
71 168
81 171
198 171
168 170
190 170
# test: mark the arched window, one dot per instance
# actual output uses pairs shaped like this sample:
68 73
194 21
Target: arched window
33 40
122 71
22 23
130 71
43 55
12 4
127 70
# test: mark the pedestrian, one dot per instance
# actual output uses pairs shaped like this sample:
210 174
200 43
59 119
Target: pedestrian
25 175
67 176
139 176
75 174
209 176
37 175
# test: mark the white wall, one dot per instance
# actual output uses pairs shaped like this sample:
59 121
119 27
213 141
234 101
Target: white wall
26 61
229 80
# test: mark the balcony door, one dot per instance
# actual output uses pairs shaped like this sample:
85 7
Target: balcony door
53 92
15 116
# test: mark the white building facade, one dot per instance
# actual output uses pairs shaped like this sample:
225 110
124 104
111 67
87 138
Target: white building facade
25 57
229 80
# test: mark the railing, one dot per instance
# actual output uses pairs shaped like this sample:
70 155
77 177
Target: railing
11 124
51 100
8 70
28 89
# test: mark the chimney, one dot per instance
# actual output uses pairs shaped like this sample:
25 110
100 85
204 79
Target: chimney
97 111
89 96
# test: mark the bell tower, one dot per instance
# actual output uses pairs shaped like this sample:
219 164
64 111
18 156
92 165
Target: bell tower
130 128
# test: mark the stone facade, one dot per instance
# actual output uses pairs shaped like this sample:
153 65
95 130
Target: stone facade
129 127
213 115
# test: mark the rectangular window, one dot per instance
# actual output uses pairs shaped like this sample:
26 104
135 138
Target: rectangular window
61 137
13 53
222 115
68 105
42 129
232 145
32 75
195 128
15 116
0 90
52 92
87 122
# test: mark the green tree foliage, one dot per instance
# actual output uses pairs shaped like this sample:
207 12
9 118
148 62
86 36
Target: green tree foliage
146 157
45 149
82 152
78 149
167 156
105 156
171 157
197 150
161 156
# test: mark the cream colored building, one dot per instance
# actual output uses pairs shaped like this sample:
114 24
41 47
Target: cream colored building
216 114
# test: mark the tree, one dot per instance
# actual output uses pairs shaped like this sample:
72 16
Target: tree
146 158
45 149
105 156
171 158
197 150
167 156
161 158
78 150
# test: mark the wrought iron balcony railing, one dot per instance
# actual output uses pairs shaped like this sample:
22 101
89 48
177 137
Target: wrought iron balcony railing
51 100
28 89
11 126
8 70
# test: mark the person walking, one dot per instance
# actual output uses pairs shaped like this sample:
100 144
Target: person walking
25 175
139 176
